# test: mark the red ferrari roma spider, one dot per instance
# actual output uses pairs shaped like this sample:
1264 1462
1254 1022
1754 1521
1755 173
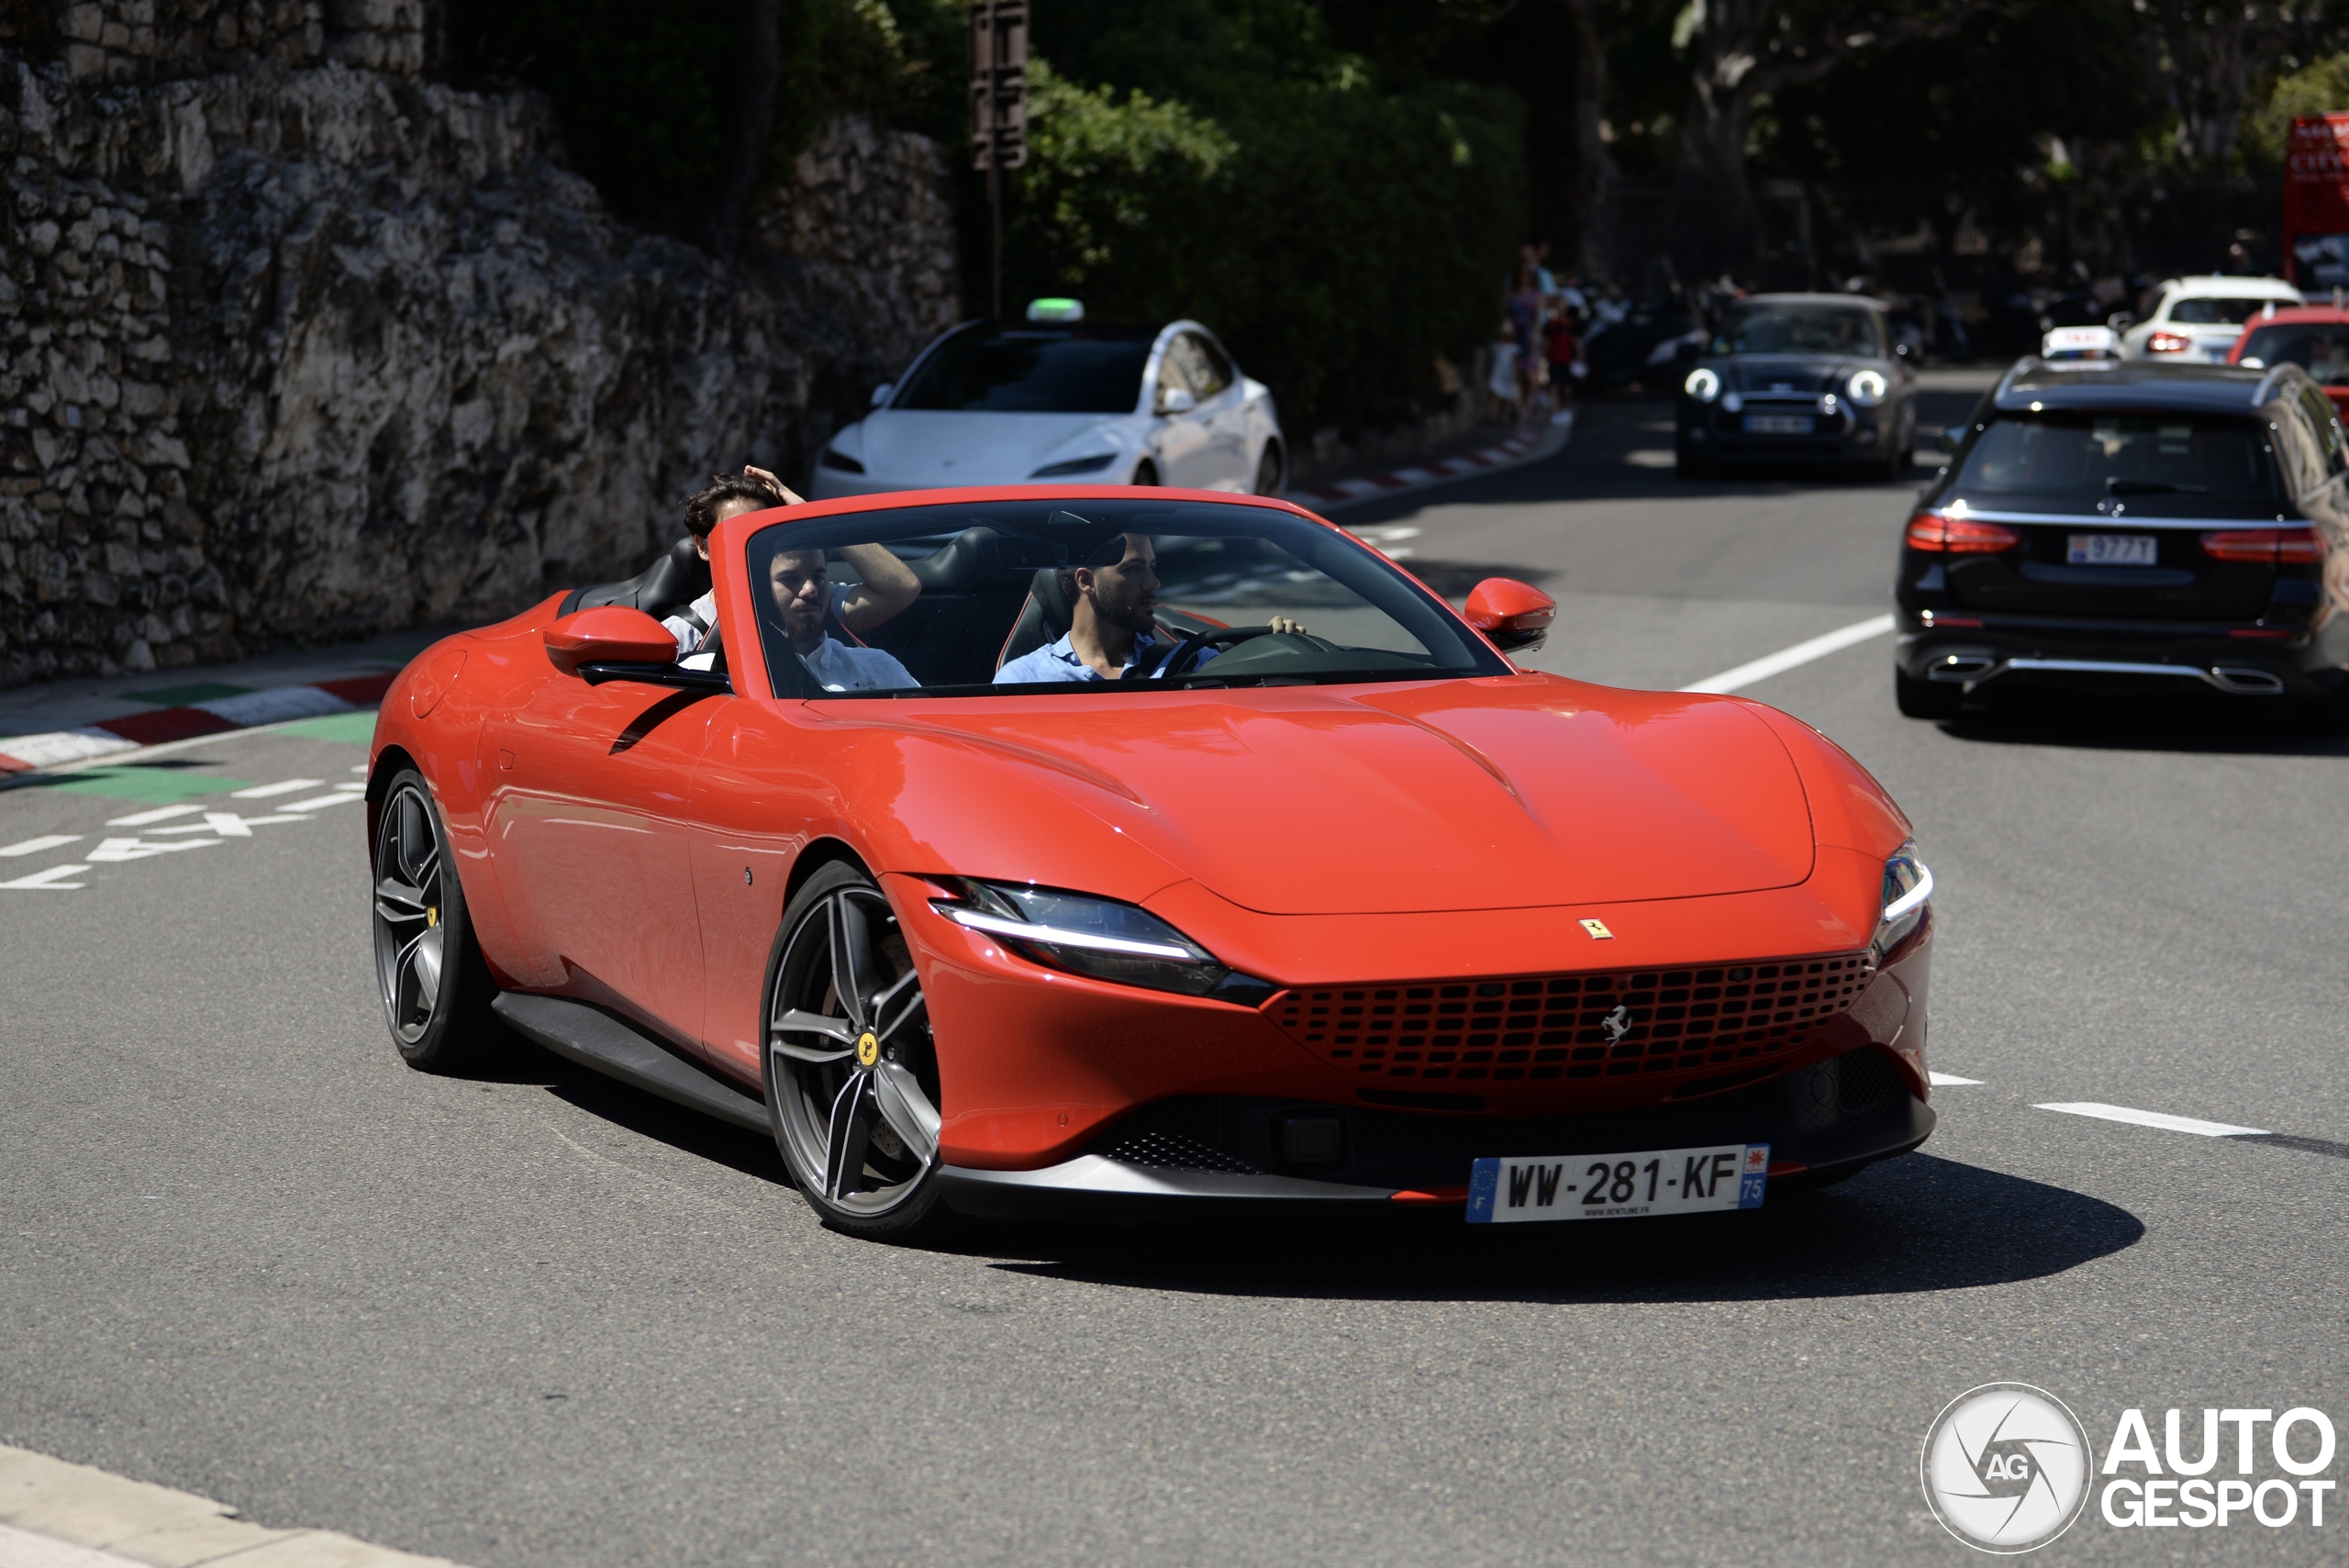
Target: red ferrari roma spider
1170 848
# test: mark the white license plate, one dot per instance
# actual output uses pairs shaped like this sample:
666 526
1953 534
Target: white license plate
2110 550
1617 1186
1777 424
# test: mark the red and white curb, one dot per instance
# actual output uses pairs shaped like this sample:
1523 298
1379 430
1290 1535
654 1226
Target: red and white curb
157 726
1521 448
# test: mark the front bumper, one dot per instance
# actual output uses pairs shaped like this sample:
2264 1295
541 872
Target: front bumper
1851 434
1225 1150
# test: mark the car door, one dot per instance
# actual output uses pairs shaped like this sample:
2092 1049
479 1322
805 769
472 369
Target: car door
1183 437
585 814
1227 420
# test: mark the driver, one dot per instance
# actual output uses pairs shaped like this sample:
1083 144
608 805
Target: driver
802 592
1113 626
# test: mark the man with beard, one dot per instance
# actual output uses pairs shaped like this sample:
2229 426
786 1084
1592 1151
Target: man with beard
1113 625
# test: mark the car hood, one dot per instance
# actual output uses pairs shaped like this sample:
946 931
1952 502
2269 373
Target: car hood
926 446
1808 373
1507 793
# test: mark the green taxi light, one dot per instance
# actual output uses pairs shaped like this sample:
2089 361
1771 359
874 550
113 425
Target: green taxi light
1056 310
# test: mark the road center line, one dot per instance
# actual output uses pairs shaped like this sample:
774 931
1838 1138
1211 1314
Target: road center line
1787 659
2154 1119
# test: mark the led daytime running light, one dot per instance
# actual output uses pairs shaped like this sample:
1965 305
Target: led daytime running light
1914 896
1061 936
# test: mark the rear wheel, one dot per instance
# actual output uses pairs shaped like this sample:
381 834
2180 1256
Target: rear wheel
851 1072
1687 464
1925 699
435 985
1147 473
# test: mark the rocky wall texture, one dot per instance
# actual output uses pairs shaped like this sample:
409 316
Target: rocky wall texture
294 352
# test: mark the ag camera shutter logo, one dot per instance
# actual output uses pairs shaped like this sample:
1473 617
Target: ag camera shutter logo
2006 1467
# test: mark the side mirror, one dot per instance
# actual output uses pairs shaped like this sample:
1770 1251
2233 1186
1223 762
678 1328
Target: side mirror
1514 616
1949 438
881 393
2121 321
1174 400
608 634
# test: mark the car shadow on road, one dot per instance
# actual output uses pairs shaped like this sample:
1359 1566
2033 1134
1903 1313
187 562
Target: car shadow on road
1917 1224
2188 722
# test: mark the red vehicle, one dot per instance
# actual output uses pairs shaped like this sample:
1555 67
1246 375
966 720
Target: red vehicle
1172 847
2313 337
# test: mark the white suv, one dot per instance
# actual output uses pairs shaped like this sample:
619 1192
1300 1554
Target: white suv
2199 319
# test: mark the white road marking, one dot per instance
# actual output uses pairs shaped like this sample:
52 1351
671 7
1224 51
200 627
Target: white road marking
49 879
139 850
35 846
284 786
229 825
312 804
2154 1119
1801 653
1948 1080
159 814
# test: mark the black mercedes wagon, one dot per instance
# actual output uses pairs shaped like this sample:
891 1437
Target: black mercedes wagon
2134 525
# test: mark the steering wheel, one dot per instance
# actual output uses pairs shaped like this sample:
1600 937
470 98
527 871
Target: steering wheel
1191 651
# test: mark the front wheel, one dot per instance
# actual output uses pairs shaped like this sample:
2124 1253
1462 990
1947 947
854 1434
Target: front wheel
436 986
852 1071
1147 474
1268 471
1925 699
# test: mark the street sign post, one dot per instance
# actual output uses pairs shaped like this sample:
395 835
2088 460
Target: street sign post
998 111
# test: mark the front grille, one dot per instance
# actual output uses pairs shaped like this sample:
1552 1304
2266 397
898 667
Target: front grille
1614 1024
1175 1135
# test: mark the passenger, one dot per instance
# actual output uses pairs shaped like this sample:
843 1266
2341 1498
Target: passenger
802 589
885 586
1112 626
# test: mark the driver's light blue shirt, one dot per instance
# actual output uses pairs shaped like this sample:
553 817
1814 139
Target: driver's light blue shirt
1059 661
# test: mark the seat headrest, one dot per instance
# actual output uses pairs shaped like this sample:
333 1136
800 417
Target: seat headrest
1052 600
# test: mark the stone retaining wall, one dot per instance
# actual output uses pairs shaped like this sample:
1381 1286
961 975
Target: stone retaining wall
313 347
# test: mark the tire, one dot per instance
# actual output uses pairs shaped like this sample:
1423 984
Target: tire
850 1069
435 985
1925 699
1147 474
1687 464
1268 471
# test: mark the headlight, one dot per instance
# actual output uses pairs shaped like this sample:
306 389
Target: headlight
1075 465
1703 383
1868 389
1908 890
1100 938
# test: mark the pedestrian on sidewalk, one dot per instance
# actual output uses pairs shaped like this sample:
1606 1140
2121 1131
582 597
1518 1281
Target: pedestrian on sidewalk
1500 380
1564 355
1526 307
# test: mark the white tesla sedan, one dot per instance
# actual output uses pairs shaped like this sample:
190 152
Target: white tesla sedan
1053 401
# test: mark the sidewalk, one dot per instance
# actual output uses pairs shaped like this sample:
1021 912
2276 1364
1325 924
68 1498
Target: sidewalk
57 722
1531 443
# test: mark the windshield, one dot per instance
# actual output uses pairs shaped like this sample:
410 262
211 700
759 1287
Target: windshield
1019 369
2091 455
2218 312
2322 349
1795 329
1067 598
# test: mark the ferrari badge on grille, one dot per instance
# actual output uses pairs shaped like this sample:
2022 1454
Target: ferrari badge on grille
1598 932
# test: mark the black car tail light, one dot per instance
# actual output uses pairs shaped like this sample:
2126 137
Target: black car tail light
2267 547
1943 534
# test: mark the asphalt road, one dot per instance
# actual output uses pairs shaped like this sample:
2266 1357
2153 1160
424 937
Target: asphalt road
536 1319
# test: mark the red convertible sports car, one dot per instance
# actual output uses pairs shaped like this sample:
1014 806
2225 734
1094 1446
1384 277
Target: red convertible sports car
1171 848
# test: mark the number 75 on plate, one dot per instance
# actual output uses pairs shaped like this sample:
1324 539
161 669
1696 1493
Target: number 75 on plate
1504 1191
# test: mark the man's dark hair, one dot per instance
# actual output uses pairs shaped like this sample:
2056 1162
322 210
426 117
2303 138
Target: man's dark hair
701 512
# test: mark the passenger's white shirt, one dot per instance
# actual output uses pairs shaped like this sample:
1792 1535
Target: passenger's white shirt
689 636
841 667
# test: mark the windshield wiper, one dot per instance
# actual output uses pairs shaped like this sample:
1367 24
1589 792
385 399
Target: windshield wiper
2151 487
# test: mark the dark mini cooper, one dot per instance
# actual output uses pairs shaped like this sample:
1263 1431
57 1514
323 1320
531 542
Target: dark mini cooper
1799 378
2142 525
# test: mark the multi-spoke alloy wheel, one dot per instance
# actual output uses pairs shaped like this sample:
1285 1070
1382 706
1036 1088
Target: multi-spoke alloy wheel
851 1072
434 983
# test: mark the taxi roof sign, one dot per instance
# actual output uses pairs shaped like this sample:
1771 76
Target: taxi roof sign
1056 310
